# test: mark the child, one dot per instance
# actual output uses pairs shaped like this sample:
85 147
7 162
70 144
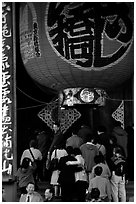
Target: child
101 183
94 196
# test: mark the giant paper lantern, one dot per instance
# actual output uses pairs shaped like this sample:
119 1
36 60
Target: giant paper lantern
77 45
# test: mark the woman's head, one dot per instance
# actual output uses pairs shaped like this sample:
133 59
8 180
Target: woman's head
98 170
77 151
95 193
69 150
117 150
33 143
25 163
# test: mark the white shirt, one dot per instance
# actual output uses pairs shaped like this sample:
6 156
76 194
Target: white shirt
36 152
101 148
81 175
59 153
30 198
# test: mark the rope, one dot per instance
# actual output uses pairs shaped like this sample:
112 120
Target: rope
30 96
115 99
29 107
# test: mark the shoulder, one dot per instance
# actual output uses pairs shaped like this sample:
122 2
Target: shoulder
19 170
83 145
62 152
102 147
36 194
24 152
31 168
78 156
105 180
37 151
37 197
101 179
103 165
22 198
69 138
54 199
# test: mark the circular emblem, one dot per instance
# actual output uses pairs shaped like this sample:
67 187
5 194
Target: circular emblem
86 40
86 95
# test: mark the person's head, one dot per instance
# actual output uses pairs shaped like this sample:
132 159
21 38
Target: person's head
60 145
77 151
113 140
30 188
99 159
55 127
25 163
98 170
95 193
69 150
40 134
117 151
101 129
33 143
49 192
89 138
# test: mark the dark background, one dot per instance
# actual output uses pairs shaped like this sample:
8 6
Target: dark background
32 98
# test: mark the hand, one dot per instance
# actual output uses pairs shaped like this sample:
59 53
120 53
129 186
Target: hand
68 163
126 182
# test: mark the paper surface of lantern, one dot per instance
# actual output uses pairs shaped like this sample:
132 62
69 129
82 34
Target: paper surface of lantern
77 45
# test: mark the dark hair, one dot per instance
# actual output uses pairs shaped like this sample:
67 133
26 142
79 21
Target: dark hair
99 159
30 183
98 170
89 137
33 143
61 145
25 163
95 193
118 150
77 151
69 150
51 189
101 128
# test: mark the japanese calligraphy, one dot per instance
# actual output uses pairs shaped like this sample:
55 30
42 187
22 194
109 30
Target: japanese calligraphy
7 146
76 31
29 37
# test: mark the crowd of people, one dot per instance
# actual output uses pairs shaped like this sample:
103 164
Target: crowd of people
87 167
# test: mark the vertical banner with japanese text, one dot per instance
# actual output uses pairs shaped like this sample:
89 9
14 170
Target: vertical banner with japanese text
7 92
